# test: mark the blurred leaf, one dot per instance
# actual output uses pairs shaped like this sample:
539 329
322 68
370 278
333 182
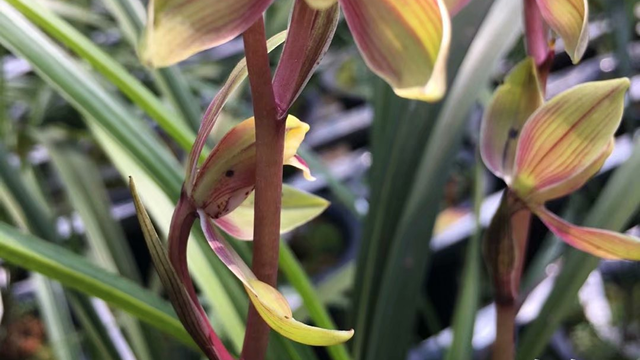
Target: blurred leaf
75 272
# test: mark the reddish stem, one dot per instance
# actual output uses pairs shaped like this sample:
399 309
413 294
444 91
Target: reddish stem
182 220
269 149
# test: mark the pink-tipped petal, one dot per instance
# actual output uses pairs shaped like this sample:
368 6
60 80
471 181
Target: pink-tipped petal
405 42
178 29
271 305
512 104
298 162
567 134
570 20
602 243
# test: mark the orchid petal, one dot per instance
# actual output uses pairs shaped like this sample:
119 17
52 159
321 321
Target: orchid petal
567 134
602 243
190 314
575 182
321 4
512 104
178 29
228 175
238 74
271 305
298 162
311 32
298 208
405 42
570 20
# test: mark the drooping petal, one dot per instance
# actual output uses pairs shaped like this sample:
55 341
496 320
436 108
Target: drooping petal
573 183
405 42
570 20
178 29
310 34
567 134
229 174
238 74
190 314
602 243
512 104
298 208
271 305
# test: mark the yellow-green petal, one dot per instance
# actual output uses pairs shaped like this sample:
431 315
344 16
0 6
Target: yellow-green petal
298 208
405 42
570 20
567 134
573 183
512 104
178 29
271 305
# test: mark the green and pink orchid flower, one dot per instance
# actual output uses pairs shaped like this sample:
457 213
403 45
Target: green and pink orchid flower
546 150
405 42
219 192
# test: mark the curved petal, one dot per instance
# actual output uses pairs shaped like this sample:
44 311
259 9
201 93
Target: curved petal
602 243
573 183
178 29
570 20
567 134
512 104
271 305
405 42
229 174
298 208
321 4
238 74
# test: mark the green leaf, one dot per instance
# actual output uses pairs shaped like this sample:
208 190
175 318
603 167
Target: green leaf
76 272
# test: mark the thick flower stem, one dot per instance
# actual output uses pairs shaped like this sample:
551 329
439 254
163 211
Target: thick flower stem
535 32
269 150
507 302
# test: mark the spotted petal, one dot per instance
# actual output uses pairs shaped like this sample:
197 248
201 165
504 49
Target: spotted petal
570 20
602 243
566 135
298 208
405 42
271 305
228 175
512 104
178 29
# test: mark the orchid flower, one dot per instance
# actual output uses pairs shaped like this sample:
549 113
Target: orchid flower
544 151
220 193
405 42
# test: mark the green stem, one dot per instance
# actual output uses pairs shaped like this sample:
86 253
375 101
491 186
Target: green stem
269 161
